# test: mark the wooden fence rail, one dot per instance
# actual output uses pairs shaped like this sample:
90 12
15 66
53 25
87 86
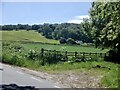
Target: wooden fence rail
53 56
75 54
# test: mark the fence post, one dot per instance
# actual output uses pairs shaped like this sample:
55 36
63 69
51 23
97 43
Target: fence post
75 54
66 55
55 55
90 54
42 55
101 55
96 54
105 55
83 54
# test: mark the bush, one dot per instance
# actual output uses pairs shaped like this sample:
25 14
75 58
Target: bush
53 58
16 60
63 40
113 56
5 43
71 41
32 54
16 47
6 58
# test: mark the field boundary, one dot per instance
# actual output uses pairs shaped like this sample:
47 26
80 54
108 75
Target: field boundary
75 56
75 53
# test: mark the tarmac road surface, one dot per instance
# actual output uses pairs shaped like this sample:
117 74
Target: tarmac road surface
12 75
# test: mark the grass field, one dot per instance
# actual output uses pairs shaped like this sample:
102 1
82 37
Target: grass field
23 35
68 48
33 36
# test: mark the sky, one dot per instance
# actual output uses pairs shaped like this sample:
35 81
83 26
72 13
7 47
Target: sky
43 12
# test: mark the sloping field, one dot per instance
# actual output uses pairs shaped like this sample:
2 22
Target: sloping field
23 35
33 36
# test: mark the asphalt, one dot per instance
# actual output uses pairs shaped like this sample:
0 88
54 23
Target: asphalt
11 75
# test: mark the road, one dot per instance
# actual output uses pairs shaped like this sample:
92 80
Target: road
12 75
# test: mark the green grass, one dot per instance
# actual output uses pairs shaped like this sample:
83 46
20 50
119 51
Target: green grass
33 36
68 48
23 35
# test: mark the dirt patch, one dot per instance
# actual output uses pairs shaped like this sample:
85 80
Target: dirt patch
69 79
75 80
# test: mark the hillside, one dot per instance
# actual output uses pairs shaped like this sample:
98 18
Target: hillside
23 35
55 31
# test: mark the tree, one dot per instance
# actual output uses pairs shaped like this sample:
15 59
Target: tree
86 26
106 25
35 27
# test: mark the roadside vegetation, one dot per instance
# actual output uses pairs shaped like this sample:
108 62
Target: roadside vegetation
23 56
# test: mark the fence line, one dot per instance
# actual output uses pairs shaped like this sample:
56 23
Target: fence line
54 56
75 54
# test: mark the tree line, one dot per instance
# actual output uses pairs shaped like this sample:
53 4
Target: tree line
65 31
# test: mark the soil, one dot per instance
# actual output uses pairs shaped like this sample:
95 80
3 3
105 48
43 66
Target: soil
69 79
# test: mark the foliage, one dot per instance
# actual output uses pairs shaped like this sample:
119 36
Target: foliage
86 26
53 58
32 54
105 20
62 40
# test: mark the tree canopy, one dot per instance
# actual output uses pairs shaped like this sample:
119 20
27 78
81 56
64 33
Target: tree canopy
105 18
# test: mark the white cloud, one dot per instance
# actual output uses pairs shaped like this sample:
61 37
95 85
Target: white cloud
75 21
78 19
82 16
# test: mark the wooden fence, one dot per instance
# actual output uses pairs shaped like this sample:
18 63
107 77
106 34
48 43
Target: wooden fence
75 54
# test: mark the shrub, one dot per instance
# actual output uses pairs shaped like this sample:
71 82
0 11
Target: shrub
6 58
62 40
32 54
53 58
5 43
15 47
71 41
113 56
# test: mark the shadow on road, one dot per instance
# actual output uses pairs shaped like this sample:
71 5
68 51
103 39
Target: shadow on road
16 87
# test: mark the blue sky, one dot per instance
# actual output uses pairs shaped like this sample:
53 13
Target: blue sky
44 12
